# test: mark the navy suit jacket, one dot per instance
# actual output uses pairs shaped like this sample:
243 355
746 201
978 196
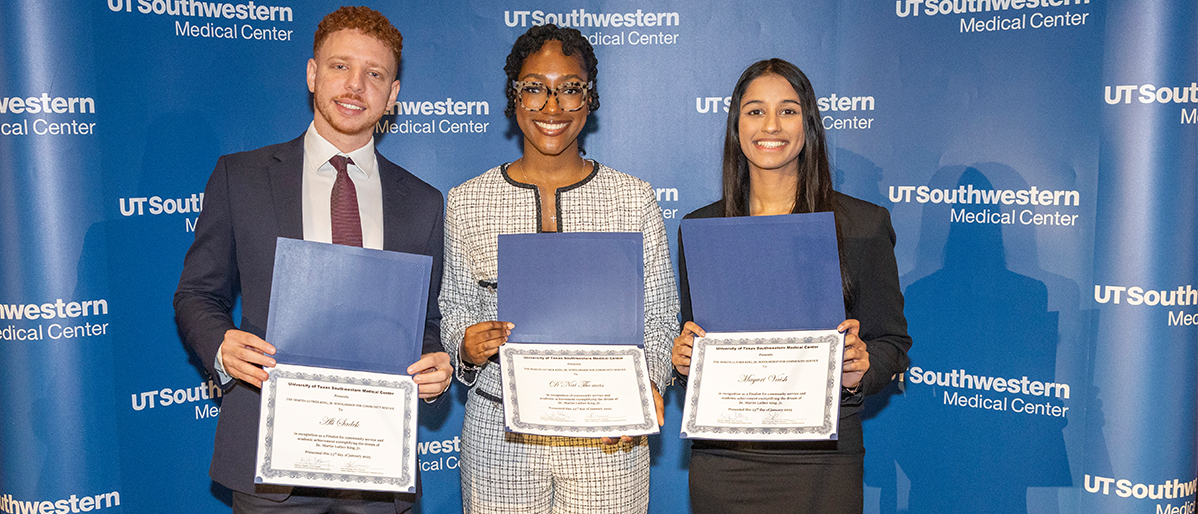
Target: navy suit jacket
252 199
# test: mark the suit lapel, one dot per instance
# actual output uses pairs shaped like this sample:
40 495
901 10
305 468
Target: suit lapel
286 188
395 209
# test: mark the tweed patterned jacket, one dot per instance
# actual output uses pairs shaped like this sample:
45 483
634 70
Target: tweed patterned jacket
493 203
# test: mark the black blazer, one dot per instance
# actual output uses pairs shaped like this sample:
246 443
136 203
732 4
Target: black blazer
875 300
252 199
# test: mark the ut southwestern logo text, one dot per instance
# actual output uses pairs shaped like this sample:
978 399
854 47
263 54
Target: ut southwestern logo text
52 311
967 195
1150 94
157 205
997 22
45 105
75 503
392 124
581 19
828 104
1184 296
905 8
217 11
433 454
973 391
166 397
199 8
1169 490
667 194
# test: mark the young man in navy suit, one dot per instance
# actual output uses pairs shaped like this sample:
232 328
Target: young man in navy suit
297 190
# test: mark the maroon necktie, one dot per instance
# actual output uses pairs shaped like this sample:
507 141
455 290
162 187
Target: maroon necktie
347 224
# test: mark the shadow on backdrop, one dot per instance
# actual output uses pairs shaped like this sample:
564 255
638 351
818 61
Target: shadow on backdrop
975 315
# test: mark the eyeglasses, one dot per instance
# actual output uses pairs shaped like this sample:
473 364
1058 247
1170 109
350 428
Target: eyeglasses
534 96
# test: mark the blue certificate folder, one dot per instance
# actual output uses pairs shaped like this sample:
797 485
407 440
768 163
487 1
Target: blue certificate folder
577 287
343 307
764 273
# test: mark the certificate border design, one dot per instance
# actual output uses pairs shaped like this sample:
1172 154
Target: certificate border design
408 389
695 430
647 408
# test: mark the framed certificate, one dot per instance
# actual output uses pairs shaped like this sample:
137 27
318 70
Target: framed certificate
337 429
577 390
777 386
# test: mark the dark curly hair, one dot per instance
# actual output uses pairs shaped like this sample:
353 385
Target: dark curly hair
530 42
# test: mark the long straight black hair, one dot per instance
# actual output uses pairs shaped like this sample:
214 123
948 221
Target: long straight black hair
814 192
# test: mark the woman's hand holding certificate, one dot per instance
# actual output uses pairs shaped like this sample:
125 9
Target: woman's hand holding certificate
856 356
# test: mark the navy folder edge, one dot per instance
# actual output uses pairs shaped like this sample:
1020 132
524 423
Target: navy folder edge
764 273
576 287
343 307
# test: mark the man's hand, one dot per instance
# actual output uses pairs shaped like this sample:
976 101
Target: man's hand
482 340
244 355
432 373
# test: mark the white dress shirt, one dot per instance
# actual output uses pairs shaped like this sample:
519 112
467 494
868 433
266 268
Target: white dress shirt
319 176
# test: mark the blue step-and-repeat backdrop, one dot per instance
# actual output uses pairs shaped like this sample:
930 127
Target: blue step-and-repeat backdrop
1039 159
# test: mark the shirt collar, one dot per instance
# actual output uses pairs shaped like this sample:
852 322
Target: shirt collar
318 150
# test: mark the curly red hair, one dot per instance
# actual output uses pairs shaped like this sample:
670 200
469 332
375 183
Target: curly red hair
364 19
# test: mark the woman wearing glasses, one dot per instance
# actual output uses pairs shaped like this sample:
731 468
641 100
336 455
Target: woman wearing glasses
551 77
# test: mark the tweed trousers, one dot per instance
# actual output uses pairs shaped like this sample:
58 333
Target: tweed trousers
510 473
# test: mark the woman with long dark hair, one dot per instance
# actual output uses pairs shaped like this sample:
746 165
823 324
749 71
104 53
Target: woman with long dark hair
776 162
551 77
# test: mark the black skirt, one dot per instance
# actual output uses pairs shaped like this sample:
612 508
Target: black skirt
728 477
